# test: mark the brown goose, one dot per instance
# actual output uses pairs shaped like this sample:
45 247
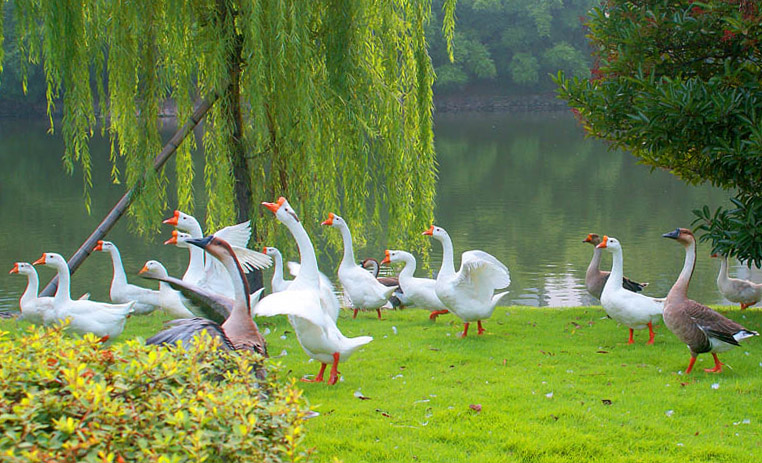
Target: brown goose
700 327
595 278
398 299
745 292
238 331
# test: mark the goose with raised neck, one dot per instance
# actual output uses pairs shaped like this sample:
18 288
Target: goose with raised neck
633 310
469 293
121 291
420 292
364 290
744 292
169 300
695 324
85 316
307 312
34 309
238 331
595 278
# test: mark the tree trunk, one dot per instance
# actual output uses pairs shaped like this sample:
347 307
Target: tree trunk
241 171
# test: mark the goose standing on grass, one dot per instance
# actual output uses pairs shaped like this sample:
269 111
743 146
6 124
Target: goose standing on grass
633 310
85 316
420 292
315 328
469 292
238 331
595 278
34 309
169 300
695 324
146 300
398 298
237 236
364 290
327 296
745 292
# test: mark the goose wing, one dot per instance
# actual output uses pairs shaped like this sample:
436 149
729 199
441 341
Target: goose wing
185 329
482 272
712 323
212 306
236 235
303 304
250 259
328 300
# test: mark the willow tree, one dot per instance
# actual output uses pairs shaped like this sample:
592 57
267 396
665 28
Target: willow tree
328 102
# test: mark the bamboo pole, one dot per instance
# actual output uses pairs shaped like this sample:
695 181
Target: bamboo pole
123 204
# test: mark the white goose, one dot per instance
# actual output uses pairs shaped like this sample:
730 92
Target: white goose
420 292
745 292
166 298
364 290
316 330
633 310
214 276
121 291
34 309
327 296
100 318
469 292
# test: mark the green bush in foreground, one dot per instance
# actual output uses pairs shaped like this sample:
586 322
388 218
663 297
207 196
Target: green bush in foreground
72 399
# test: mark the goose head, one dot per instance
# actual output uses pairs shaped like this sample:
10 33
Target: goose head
438 233
51 259
282 210
609 243
153 269
370 264
104 246
270 251
24 268
182 221
179 239
396 256
592 238
334 220
681 235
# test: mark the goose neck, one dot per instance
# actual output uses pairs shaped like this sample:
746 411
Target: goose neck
595 262
277 269
617 272
349 253
448 264
32 286
309 268
116 259
409 269
63 291
723 276
681 285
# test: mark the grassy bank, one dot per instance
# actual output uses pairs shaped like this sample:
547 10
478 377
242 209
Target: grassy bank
542 385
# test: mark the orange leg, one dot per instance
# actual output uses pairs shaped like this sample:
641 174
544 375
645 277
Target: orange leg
465 330
690 365
379 313
481 330
631 341
717 365
318 378
650 333
354 315
744 306
436 313
334 370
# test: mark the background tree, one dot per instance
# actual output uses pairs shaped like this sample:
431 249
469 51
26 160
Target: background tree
328 102
678 84
512 45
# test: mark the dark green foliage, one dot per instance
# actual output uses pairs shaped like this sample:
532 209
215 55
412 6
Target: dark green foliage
65 399
678 84
515 44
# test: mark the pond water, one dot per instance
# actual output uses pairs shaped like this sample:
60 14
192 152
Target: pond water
526 188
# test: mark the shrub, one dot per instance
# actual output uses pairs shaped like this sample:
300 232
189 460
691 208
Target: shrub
73 399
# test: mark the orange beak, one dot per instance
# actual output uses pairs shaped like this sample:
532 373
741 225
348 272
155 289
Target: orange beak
329 221
15 268
143 270
715 255
603 243
588 239
264 250
41 260
172 240
386 258
173 220
430 231
275 206
99 246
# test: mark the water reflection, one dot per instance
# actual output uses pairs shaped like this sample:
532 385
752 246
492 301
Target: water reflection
526 188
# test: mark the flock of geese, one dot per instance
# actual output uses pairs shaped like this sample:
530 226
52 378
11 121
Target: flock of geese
213 294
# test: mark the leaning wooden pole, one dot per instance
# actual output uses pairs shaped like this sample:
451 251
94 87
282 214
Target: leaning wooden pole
121 207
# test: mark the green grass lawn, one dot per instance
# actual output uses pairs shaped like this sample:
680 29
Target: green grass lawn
552 385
